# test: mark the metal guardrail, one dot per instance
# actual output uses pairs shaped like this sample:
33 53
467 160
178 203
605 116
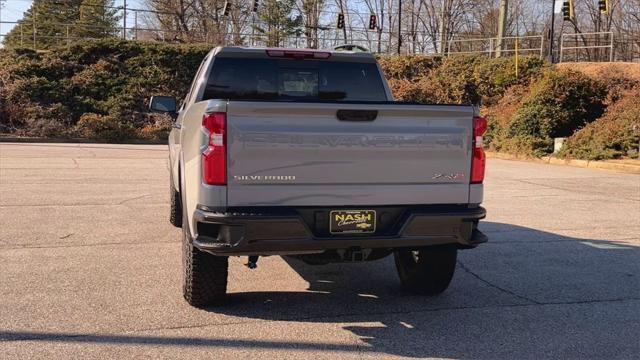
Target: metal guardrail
618 49
490 45
586 45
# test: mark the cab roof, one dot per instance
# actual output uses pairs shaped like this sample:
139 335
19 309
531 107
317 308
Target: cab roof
267 52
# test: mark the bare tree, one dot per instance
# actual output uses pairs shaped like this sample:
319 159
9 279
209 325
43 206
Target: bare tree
429 20
238 22
175 17
209 22
382 9
427 25
311 10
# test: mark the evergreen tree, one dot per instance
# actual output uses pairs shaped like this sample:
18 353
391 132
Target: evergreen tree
51 19
50 23
97 19
278 21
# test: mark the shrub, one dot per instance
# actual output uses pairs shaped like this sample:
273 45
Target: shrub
423 90
615 135
526 118
558 104
617 77
408 67
450 82
157 130
38 121
459 79
527 145
617 83
455 79
100 86
100 127
494 77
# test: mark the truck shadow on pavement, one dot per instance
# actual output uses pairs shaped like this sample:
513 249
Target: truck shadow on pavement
525 292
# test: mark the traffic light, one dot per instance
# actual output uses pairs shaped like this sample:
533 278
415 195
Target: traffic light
341 21
373 22
567 10
256 3
603 5
227 8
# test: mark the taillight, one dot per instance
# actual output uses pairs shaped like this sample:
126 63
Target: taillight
298 54
478 162
214 157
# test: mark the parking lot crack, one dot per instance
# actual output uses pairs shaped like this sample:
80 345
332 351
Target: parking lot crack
132 198
590 191
499 288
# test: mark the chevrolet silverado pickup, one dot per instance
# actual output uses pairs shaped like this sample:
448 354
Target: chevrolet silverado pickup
304 153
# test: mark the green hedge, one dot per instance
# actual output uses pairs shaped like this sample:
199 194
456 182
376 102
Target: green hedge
615 135
558 104
459 79
94 89
99 90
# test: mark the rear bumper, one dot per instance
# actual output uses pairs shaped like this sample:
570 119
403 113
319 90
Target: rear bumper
269 231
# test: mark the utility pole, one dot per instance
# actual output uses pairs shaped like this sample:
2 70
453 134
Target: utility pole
502 25
35 15
443 25
552 29
124 20
135 24
1 5
316 22
399 26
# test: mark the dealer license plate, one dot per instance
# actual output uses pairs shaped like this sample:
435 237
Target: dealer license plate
352 221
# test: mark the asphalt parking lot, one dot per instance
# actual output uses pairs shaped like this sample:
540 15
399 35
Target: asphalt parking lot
90 268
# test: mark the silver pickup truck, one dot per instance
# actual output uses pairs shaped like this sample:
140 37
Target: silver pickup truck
304 153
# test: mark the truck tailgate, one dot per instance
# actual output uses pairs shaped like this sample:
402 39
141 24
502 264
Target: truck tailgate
301 154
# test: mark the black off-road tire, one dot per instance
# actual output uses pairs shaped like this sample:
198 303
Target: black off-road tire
427 271
175 214
205 275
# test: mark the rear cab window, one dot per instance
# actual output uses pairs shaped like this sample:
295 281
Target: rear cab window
291 80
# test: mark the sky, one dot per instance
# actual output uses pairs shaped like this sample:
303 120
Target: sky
12 11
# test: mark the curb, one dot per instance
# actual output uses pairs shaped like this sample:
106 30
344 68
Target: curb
591 164
16 139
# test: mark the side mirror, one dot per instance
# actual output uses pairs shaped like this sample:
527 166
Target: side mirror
165 104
